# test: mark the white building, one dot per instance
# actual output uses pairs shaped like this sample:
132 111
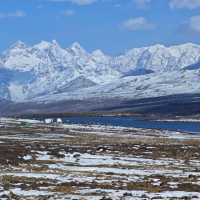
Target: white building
48 121
59 121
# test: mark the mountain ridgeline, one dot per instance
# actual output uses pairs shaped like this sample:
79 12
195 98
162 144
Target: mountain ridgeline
46 72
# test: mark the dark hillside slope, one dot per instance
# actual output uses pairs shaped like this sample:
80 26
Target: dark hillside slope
185 104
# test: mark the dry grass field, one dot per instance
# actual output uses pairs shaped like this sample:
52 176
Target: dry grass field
58 162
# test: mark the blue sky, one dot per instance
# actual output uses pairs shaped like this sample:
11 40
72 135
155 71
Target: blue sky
111 25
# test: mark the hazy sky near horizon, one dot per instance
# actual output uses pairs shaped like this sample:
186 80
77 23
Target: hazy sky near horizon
111 25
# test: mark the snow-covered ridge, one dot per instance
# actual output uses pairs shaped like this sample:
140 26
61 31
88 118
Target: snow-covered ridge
47 68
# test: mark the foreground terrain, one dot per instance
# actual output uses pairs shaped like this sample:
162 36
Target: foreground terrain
39 161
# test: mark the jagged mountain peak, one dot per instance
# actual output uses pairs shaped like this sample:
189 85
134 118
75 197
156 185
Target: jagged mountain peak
76 45
43 45
52 67
98 52
185 45
156 47
19 44
15 48
163 47
55 43
77 49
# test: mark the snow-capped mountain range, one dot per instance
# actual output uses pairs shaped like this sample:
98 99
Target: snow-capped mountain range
48 72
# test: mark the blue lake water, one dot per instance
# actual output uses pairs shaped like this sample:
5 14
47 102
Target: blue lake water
192 127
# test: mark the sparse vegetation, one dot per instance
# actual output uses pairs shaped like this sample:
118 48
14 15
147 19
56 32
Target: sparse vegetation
42 162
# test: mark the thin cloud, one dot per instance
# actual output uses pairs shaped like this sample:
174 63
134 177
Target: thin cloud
77 2
17 13
68 12
137 24
188 4
142 4
194 23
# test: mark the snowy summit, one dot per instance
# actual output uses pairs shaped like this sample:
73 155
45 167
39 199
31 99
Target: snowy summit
46 71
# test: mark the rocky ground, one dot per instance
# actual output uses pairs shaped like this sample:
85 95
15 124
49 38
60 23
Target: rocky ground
58 162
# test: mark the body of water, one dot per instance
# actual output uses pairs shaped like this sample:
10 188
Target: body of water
192 127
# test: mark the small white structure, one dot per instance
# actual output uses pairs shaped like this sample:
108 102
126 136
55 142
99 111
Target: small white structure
48 121
59 121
